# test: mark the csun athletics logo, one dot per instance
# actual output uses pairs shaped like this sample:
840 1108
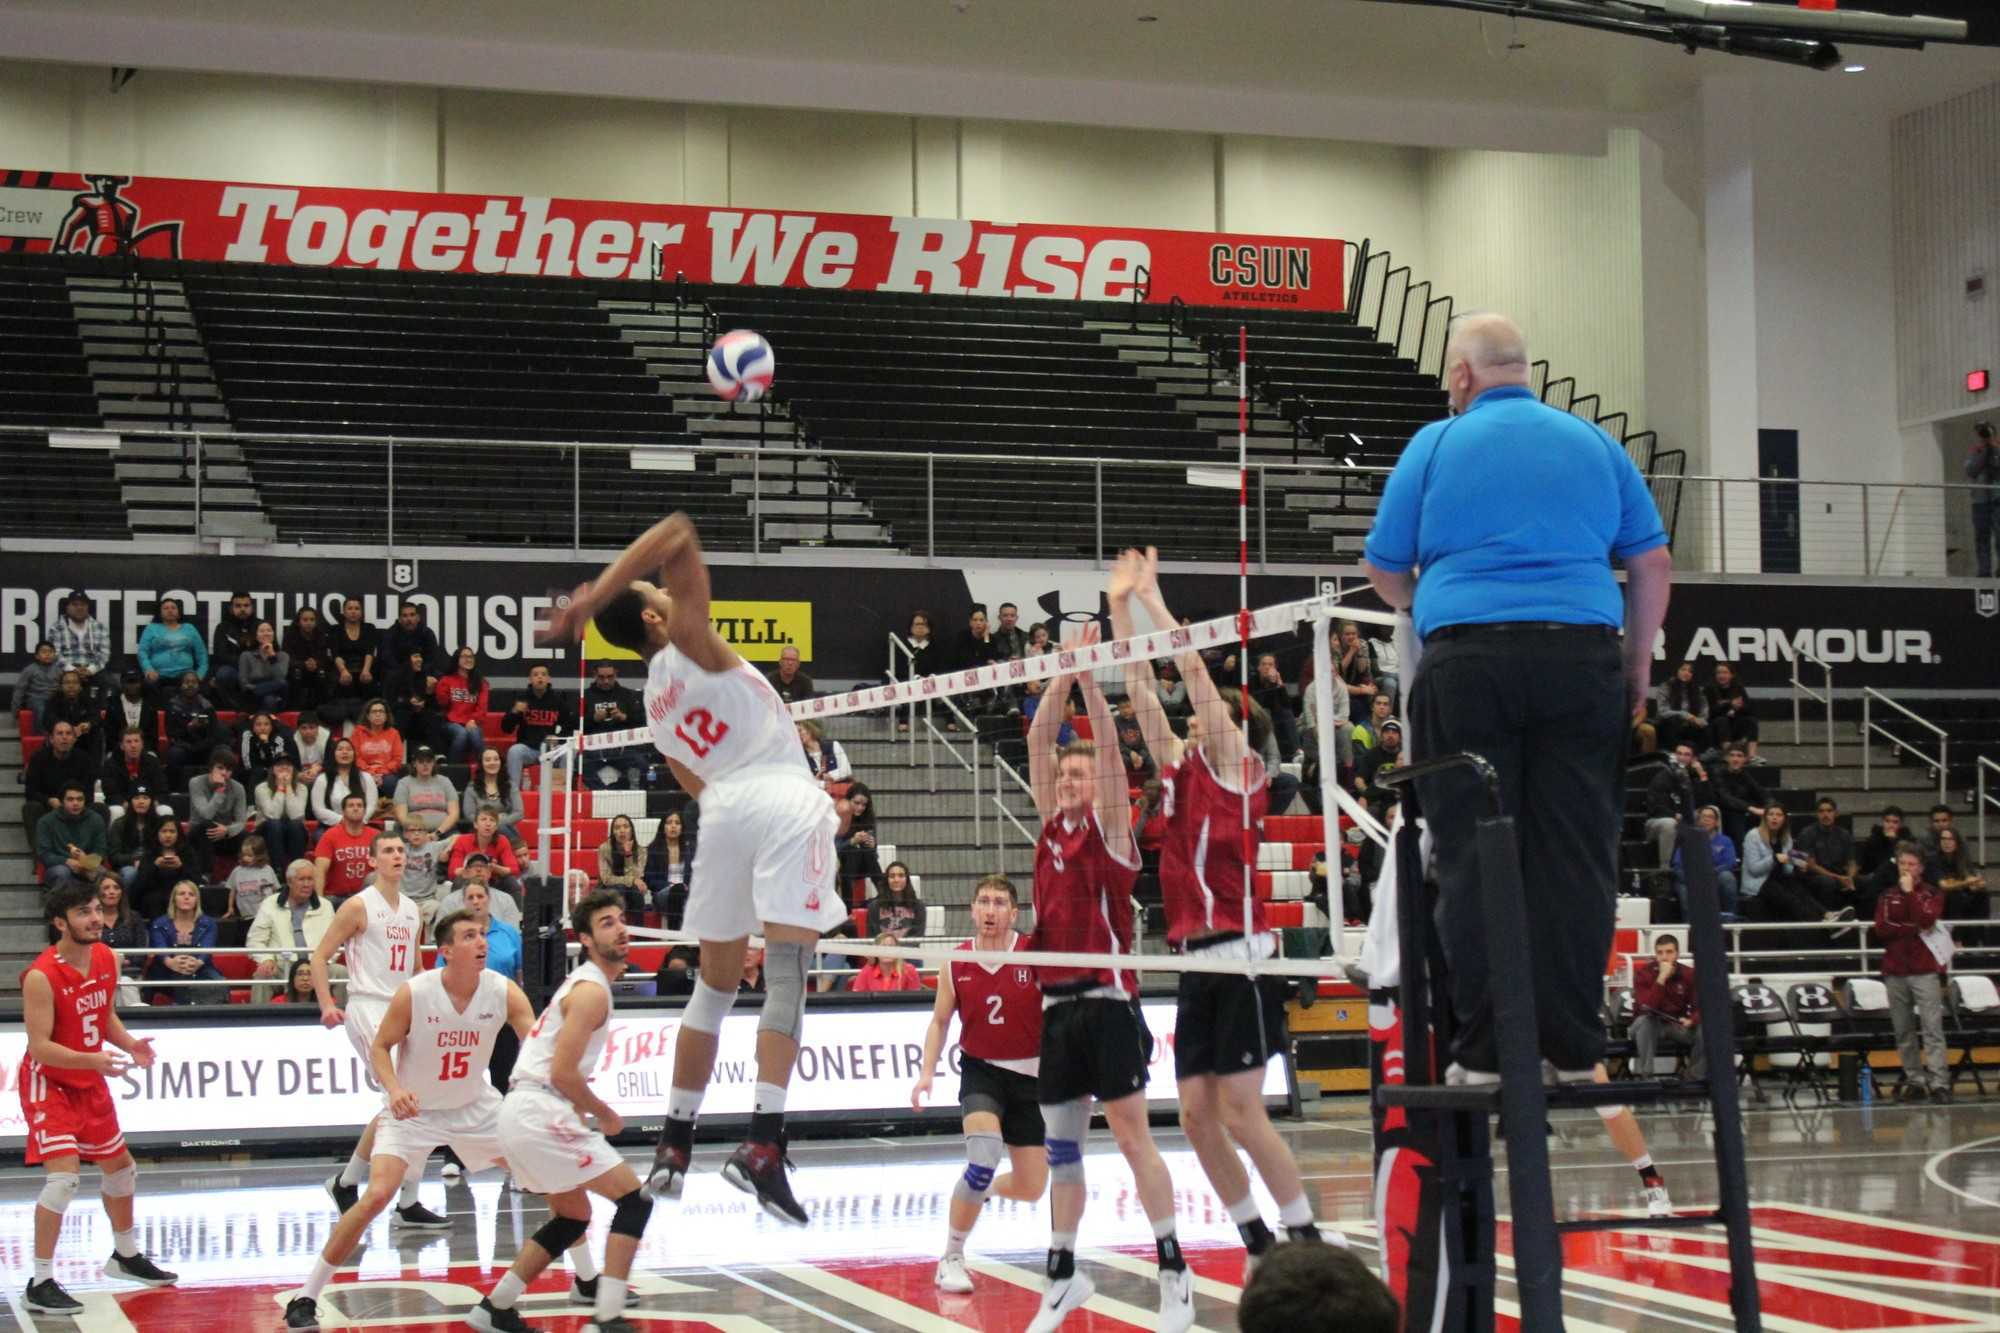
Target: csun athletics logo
1750 643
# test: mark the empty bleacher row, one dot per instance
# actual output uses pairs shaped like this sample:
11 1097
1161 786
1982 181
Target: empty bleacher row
45 381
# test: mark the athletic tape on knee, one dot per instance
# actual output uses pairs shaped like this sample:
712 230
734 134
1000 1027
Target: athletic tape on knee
120 1184
707 1007
57 1191
1068 1126
629 1217
983 1154
1612 1112
786 963
559 1233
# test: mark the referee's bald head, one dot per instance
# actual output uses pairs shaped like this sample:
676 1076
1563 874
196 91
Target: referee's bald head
1484 351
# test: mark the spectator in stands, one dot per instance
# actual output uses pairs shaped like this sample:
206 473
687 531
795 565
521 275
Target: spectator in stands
792 684
609 706
82 643
425 871
1356 666
1664 1004
378 746
478 869
185 934
923 662
218 811
344 859
424 797
1830 863
124 930
51 768
1280 699
1385 757
287 927
235 634
486 840
1738 792
752 980
1941 818
411 693
134 833
668 866
503 938
1010 640
130 706
170 648
310 650
130 766
262 742
491 786
1681 710
70 704
37 682
537 713
621 865
896 910
263 671
282 806
825 756
1032 695
1729 713
299 984
355 647
1367 733
1951 868
193 730
677 972
408 636
886 974
1722 854
1140 767
859 847
1982 469
1915 957
1308 1287
974 647
1879 849
309 744
463 694
1167 683
343 777
252 881
1773 880
1039 640
162 868
1388 664
70 841
1672 797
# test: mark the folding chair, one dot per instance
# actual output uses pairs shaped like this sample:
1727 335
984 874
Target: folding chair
1618 1048
1972 1008
1755 1011
1869 1026
1814 1006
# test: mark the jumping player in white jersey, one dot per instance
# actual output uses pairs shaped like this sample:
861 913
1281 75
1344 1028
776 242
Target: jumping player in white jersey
765 862
383 933
430 1055
556 1129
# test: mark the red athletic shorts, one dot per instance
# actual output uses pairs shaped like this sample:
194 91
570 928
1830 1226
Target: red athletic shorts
69 1121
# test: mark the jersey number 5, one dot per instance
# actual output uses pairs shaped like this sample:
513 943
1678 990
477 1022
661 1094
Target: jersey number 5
708 731
457 1064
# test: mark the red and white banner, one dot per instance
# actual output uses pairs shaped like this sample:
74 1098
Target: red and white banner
161 217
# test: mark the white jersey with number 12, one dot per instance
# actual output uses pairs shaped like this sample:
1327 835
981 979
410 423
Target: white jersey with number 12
719 723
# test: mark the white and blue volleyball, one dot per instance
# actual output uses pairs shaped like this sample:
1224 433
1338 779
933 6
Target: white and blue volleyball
740 366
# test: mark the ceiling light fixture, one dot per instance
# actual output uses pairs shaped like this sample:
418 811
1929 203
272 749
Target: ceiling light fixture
1855 69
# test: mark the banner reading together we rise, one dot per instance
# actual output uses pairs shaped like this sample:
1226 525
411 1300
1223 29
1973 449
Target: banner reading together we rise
166 218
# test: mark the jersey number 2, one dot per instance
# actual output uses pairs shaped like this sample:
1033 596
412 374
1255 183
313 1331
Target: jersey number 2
708 731
993 1014
457 1064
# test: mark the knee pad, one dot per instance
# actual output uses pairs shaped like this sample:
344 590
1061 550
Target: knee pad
1610 1113
707 1007
983 1154
57 1191
628 1218
1068 1126
559 1233
120 1184
785 967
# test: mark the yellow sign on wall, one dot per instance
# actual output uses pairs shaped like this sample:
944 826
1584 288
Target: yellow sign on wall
757 630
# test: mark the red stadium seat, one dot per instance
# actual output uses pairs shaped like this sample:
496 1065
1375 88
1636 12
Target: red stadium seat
1622 943
30 744
1281 915
1293 828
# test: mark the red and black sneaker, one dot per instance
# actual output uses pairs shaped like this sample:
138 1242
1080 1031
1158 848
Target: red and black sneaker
669 1173
759 1169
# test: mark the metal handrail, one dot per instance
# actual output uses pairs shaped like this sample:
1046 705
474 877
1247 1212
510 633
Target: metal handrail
934 736
1982 798
897 643
1862 953
1004 770
1800 688
1870 727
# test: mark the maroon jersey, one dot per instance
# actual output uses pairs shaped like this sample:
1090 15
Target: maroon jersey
999 1010
1202 856
1083 904
82 1003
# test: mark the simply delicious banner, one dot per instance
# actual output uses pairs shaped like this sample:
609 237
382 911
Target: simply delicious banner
166 218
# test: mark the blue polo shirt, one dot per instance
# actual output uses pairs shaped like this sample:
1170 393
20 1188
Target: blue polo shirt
503 949
1513 511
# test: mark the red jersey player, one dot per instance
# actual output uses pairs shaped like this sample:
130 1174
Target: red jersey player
67 1011
1226 1027
1094 1043
1000 1045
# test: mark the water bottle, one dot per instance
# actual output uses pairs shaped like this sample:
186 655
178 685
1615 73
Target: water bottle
1867 1082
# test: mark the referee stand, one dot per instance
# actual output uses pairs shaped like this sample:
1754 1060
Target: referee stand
1459 1115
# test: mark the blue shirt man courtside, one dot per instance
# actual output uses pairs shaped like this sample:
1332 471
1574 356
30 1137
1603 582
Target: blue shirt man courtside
1497 530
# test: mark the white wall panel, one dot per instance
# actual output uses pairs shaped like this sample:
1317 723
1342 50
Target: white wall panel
571 147
1309 187
1101 177
35 131
831 161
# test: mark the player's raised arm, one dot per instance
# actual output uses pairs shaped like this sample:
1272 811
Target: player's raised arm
941 1012
1221 725
393 1031
1140 685
1114 811
348 922
1042 734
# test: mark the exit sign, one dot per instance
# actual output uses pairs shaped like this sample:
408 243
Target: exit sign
1975 381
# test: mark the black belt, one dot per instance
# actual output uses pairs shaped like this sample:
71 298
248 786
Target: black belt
1521 627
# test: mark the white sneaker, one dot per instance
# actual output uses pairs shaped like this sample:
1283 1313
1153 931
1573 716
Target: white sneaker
1657 1202
451 1173
1059 1299
951 1275
1176 1300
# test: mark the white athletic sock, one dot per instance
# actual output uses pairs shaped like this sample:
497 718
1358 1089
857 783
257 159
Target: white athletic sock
770 1100
1063 1240
1164 1227
581 1261
610 1298
321 1275
1297 1213
407 1195
355 1172
684 1103
1643 1162
506 1291
954 1241
44 1269
1243 1211
125 1244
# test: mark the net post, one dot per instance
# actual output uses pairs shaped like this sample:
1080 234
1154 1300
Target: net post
1329 774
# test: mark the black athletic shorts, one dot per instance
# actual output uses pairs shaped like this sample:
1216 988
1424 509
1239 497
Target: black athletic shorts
1224 1025
1004 1093
1093 1047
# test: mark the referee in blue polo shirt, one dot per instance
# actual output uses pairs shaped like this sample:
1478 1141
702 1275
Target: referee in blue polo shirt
1497 529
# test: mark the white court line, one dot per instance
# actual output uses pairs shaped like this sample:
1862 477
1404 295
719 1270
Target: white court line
1932 1174
20 1311
1098 1304
792 1301
867 1298
1132 1263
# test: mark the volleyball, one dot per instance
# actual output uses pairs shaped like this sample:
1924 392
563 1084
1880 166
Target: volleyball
740 366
